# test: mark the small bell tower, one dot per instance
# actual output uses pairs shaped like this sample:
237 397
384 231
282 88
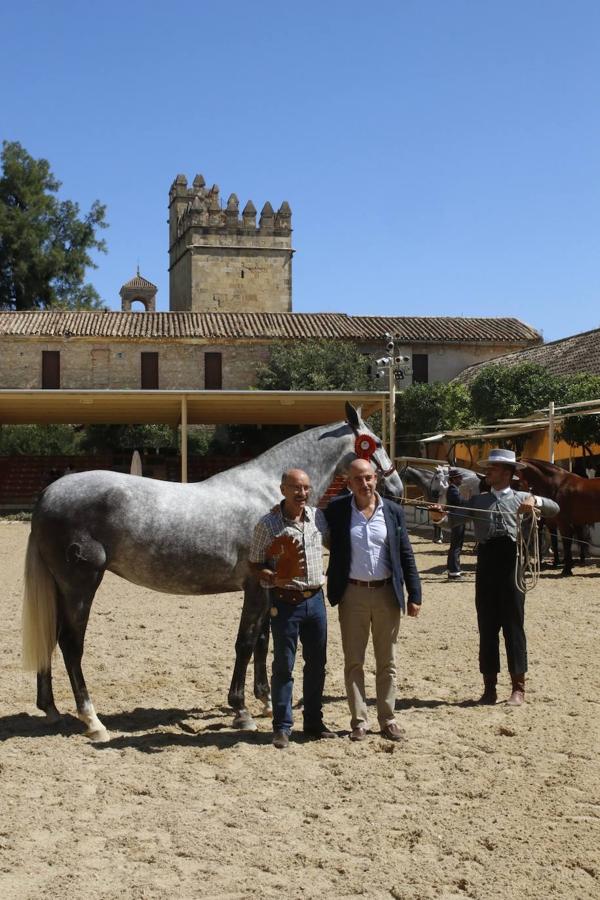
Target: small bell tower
138 288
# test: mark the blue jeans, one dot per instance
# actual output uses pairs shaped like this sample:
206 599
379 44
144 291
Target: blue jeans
308 621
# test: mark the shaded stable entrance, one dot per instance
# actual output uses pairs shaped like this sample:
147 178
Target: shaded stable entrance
183 408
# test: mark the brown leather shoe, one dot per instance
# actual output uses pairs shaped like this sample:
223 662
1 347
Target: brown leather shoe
358 734
392 732
517 698
281 740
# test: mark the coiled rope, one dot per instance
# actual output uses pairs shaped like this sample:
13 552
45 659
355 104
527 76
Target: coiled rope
529 563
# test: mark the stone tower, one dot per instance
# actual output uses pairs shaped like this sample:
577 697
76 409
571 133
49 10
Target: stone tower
138 288
219 260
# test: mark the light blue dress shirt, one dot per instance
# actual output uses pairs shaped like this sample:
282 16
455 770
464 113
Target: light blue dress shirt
370 558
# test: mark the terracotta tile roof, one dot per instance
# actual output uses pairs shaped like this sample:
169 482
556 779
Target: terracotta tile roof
138 281
156 325
578 353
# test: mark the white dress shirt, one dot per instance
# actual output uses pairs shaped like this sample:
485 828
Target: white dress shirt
370 552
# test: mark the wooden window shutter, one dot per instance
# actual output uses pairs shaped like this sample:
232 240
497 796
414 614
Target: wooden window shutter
213 371
149 371
50 369
420 368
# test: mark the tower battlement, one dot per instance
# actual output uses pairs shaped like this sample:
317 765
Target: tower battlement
198 206
221 258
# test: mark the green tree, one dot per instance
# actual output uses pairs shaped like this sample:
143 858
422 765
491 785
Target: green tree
503 392
44 243
99 438
314 365
580 431
427 408
38 440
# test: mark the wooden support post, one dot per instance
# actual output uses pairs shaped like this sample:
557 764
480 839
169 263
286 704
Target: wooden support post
551 431
184 440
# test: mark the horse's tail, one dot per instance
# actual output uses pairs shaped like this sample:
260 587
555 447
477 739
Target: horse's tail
39 611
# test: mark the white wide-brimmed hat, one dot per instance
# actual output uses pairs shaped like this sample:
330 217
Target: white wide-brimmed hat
506 457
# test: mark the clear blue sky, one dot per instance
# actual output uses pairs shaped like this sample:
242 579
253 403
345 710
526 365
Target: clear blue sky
441 157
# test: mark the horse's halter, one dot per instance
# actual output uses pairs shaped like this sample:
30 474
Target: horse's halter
365 447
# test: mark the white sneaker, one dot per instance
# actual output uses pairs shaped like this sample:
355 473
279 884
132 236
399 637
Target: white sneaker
455 574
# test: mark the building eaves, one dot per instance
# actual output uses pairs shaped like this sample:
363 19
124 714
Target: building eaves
266 326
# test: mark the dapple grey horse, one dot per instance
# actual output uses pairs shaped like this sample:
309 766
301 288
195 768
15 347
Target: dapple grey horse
469 486
434 481
176 538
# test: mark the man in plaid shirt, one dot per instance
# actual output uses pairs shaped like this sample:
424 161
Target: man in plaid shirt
297 606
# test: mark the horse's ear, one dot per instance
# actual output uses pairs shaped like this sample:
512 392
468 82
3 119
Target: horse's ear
353 416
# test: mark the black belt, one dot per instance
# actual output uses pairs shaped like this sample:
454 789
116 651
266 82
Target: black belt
370 584
289 595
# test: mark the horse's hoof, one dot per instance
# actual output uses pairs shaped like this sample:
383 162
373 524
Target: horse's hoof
243 721
53 717
267 709
99 736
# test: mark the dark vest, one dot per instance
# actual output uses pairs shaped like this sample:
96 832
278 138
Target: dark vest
404 569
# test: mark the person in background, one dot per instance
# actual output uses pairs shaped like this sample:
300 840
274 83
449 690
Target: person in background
499 602
457 525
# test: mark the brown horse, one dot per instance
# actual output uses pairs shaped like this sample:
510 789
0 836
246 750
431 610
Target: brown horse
578 498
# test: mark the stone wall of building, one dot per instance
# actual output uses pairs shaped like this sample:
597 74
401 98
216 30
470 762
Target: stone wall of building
93 364
87 364
445 361
219 260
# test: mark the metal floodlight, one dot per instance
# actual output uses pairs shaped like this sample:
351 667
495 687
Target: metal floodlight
401 359
390 347
387 336
383 361
377 369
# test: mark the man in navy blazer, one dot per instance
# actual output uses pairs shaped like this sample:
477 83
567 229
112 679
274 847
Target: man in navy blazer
371 563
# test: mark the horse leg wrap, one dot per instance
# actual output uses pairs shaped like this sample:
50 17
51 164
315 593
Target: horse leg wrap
267 707
95 729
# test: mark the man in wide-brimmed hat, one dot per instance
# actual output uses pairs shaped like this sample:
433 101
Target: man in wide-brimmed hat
457 524
499 602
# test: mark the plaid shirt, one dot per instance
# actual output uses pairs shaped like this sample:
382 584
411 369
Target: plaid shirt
310 536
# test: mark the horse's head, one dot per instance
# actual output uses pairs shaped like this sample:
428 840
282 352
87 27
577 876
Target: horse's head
439 484
531 477
368 446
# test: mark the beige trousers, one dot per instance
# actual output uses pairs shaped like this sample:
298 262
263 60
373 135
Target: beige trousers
362 611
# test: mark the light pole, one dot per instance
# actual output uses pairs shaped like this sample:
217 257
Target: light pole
395 367
392 401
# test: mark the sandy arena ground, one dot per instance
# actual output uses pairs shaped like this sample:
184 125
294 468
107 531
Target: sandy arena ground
479 802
